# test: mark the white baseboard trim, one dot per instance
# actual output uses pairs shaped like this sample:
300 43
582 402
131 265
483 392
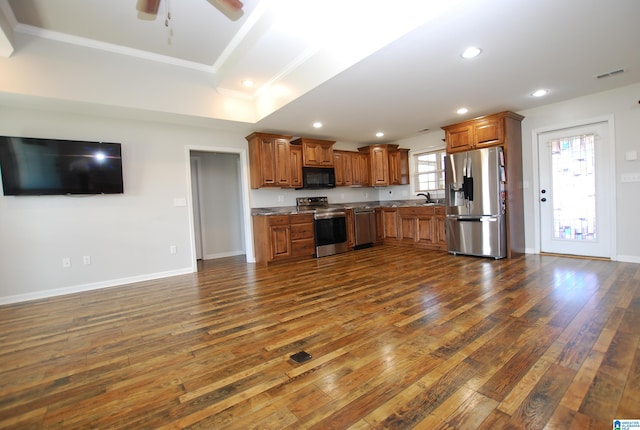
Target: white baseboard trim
223 255
93 286
628 258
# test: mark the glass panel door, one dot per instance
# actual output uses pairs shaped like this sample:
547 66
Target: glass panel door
574 177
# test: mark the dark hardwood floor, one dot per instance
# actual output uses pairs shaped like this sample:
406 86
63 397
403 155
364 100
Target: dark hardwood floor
400 338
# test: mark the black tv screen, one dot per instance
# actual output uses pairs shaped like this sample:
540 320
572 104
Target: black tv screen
33 167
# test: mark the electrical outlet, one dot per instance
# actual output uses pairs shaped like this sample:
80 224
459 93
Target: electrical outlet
630 177
66 262
86 260
280 198
173 249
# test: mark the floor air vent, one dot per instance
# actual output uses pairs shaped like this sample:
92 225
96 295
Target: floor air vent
301 357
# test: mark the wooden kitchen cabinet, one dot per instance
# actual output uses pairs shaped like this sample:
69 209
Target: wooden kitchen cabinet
390 223
379 226
316 152
302 235
351 168
418 226
378 163
398 166
386 165
360 166
482 132
295 155
351 233
343 167
270 161
441 227
283 238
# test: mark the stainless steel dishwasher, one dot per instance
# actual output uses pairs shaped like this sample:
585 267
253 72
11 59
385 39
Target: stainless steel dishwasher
365 227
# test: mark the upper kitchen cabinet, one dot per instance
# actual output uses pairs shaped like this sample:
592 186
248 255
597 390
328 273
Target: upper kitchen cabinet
485 131
378 164
352 168
398 166
343 165
315 152
270 161
387 164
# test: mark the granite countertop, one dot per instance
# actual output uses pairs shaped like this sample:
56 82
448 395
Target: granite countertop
287 210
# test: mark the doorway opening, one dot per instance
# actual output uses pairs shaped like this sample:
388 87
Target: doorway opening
220 210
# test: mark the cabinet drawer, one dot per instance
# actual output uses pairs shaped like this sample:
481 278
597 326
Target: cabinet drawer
279 220
426 210
303 247
301 231
302 219
439 210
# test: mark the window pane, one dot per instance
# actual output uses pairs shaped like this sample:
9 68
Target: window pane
574 188
429 171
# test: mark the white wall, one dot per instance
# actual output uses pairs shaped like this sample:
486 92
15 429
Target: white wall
623 106
127 236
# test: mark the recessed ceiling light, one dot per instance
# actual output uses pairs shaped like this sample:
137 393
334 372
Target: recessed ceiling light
317 124
248 83
379 134
540 93
462 111
471 52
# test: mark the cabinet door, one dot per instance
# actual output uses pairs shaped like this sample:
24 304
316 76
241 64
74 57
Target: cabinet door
282 163
317 153
347 168
408 227
379 160
441 231
338 167
459 138
295 154
399 167
350 228
268 161
280 241
426 229
488 132
390 223
360 166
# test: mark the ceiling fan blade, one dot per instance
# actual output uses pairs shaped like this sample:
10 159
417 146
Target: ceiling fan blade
148 6
231 8
233 4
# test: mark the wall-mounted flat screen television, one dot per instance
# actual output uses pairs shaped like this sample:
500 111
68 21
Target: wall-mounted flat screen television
33 167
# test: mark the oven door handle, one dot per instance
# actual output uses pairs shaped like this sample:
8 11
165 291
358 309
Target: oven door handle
330 215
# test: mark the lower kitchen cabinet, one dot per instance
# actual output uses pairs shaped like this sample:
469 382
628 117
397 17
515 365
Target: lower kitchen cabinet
280 238
420 226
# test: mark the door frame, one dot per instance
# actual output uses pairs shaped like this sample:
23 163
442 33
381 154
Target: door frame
535 192
245 198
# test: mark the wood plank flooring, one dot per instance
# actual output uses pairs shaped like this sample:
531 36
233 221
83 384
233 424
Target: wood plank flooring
400 339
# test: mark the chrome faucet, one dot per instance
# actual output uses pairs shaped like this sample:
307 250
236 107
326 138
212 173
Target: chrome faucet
426 196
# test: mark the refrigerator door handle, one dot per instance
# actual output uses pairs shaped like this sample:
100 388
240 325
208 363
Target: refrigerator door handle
473 218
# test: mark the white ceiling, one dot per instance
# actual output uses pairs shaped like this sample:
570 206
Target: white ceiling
389 65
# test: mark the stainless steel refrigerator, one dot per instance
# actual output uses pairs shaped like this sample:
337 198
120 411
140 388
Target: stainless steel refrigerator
475 199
